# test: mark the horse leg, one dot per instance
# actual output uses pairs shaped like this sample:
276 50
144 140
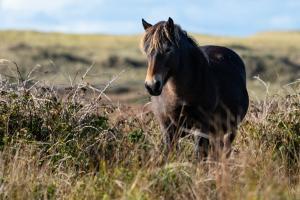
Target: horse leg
228 139
201 148
168 130
169 136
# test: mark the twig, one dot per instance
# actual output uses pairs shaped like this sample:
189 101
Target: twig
263 82
90 106
109 83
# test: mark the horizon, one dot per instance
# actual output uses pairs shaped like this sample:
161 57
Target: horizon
234 18
140 33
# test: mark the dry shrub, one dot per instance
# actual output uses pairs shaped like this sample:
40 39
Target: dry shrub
76 148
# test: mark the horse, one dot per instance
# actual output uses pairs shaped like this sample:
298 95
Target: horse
194 89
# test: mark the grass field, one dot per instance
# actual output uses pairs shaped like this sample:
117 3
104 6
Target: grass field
60 59
64 142
80 148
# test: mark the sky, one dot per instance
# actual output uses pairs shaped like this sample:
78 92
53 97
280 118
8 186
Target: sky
217 17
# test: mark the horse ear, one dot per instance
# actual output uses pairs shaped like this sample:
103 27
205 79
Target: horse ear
146 25
170 25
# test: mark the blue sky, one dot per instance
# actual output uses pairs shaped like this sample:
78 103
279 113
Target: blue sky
218 17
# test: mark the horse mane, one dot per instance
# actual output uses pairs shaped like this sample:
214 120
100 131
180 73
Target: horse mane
157 35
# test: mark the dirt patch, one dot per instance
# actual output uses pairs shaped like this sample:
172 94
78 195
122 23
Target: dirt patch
44 54
115 61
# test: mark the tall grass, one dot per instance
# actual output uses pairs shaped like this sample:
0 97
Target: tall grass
78 147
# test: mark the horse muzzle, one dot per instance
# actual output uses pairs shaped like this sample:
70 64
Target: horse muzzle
154 88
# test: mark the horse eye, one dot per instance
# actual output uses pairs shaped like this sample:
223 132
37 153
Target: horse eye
168 50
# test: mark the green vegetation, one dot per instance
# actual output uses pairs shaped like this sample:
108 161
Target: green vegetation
68 142
78 148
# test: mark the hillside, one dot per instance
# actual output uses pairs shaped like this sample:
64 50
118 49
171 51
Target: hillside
60 59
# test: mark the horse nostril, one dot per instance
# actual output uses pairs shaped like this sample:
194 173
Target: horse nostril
156 85
147 87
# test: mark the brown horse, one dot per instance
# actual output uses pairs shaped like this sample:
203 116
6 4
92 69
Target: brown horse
195 89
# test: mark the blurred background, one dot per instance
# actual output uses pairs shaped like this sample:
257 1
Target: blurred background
60 39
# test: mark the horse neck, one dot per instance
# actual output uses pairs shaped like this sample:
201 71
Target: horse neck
191 71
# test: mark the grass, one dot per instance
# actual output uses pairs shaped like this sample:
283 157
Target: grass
65 135
78 147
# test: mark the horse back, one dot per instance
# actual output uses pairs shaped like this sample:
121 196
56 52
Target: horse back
224 60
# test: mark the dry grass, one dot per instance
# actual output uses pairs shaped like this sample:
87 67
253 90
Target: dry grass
82 148
78 146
